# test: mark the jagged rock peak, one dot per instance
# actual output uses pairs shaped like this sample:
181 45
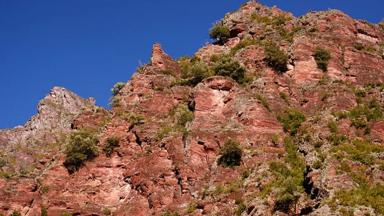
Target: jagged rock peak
58 108
159 57
65 98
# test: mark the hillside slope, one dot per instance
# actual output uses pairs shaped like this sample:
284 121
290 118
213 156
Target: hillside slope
281 115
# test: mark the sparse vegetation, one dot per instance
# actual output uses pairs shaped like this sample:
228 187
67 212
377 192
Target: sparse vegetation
266 20
180 115
364 195
44 189
274 21
381 24
170 213
244 43
241 207
110 145
362 114
288 184
191 207
358 46
275 139
163 132
130 117
3 163
263 101
284 97
322 57
117 88
15 213
231 154
291 120
275 57
80 147
44 211
360 151
193 71
107 212
220 33
225 65
115 101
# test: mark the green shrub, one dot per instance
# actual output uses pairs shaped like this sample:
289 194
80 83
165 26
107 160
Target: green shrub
266 20
284 97
340 114
322 57
115 101
193 71
280 20
231 154
3 163
80 147
44 189
375 111
333 127
227 66
107 212
289 178
15 213
362 114
181 115
288 196
337 139
371 196
360 92
117 88
275 57
263 101
381 24
110 145
291 120
241 207
130 117
275 139
168 72
317 164
170 213
220 33
358 46
285 34
191 207
360 151
244 43
44 212
163 132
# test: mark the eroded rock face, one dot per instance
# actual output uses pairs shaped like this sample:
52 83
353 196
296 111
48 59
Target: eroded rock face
171 134
28 151
55 114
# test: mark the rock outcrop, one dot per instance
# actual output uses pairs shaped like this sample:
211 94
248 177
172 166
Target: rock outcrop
311 140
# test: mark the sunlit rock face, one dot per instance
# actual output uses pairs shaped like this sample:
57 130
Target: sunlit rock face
310 139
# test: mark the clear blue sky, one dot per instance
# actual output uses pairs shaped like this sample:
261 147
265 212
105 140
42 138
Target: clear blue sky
88 45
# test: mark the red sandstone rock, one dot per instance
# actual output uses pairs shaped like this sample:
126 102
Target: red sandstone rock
158 167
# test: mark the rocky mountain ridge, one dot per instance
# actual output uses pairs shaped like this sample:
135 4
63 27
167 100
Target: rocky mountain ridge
281 115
